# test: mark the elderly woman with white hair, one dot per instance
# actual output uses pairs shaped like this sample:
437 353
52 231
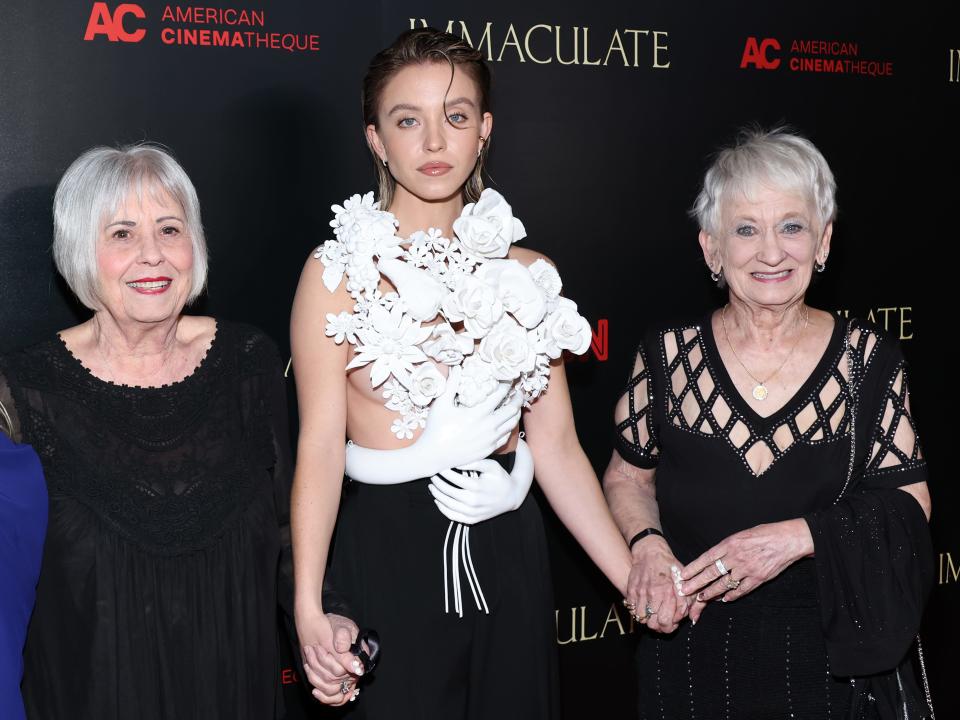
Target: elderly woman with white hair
163 438
768 476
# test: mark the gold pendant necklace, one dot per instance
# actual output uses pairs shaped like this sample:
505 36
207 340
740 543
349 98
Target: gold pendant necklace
760 391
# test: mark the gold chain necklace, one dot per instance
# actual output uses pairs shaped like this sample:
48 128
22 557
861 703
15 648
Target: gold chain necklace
760 391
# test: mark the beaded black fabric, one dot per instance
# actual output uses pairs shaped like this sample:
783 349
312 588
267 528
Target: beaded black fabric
168 510
722 468
699 398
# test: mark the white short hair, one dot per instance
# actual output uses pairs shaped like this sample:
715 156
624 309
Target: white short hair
92 189
775 157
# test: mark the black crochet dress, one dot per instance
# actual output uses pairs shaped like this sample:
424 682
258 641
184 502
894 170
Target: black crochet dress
158 592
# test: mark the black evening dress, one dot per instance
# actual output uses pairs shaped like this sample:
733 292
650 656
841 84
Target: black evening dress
158 592
766 654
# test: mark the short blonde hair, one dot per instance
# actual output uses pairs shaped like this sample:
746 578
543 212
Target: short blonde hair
93 187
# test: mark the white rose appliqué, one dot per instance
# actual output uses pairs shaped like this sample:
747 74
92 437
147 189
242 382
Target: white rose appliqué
459 302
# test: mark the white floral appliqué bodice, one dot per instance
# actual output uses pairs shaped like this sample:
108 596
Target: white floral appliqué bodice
495 318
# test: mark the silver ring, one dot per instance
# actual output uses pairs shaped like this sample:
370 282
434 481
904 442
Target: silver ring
731 583
344 687
721 568
650 612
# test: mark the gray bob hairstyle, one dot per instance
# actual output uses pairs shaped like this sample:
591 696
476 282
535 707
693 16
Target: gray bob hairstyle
776 157
93 188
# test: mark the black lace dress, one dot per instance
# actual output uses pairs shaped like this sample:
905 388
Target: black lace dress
158 592
766 654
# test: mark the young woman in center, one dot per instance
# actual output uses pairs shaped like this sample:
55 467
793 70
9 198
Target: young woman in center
417 334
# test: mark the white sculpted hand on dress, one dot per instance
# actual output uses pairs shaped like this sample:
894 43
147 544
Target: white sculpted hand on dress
500 321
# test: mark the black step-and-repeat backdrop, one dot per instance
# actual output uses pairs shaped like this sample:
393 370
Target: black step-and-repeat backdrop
606 113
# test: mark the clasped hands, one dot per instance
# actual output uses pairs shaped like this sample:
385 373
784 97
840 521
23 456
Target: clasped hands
328 664
661 591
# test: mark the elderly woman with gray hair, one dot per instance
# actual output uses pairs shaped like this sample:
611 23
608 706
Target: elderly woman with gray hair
163 438
768 475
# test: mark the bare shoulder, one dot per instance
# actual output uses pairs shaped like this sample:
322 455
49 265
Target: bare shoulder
526 256
77 335
196 329
195 333
313 293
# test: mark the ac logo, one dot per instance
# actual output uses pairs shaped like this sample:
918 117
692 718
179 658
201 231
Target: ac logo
103 22
755 54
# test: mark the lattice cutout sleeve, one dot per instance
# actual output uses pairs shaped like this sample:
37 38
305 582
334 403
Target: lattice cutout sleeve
895 455
636 437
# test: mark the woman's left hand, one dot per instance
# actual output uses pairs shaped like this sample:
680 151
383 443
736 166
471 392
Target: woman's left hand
750 557
328 664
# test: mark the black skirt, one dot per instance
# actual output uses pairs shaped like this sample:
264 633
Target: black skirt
397 560
761 657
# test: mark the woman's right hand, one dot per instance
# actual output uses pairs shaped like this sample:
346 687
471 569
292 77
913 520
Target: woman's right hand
456 435
486 491
652 585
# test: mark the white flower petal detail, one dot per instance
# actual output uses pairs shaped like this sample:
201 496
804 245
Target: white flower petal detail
426 384
341 327
516 313
516 289
475 303
547 279
566 329
421 293
487 228
447 346
477 381
509 350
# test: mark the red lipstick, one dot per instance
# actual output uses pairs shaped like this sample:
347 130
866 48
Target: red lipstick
150 285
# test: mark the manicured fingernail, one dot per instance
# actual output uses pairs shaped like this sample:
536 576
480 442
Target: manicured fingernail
316 694
723 599
693 622
700 597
